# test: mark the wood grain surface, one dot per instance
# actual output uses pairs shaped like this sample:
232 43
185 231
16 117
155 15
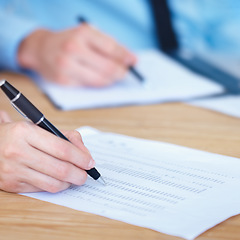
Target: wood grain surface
25 218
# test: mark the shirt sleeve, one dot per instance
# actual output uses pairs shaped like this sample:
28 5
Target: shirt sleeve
13 30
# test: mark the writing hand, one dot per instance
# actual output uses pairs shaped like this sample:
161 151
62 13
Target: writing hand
32 159
81 56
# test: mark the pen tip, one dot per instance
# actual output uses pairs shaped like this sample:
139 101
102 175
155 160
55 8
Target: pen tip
101 180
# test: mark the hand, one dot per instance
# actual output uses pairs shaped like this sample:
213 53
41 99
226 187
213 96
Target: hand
32 159
79 56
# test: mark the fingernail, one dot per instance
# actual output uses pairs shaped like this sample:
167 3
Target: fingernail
131 60
91 163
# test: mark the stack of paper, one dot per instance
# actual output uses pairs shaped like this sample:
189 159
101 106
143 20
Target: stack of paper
227 104
168 188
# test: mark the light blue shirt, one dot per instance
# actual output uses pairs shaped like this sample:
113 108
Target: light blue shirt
131 23
208 25
201 25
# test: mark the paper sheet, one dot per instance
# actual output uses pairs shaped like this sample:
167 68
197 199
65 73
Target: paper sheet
168 188
227 104
166 80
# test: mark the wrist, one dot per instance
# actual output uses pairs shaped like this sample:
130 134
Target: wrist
29 51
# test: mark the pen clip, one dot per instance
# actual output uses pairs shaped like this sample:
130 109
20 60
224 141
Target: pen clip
19 110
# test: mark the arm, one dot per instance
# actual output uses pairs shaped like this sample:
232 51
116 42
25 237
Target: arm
77 56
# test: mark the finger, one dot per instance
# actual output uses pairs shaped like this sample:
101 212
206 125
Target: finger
73 135
26 188
10 182
96 68
76 73
108 68
84 75
19 187
59 148
43 182
75 138
4 117
57 169
109 47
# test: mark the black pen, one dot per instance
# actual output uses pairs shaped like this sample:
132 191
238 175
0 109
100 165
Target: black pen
130 68
27 109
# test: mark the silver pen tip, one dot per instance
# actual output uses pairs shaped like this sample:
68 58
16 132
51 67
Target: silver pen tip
101 180
2 82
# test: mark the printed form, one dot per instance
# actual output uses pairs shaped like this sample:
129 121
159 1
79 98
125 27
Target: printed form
168 188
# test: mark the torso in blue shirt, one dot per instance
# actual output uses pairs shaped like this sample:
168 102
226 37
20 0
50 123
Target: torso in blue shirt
128 21
201 25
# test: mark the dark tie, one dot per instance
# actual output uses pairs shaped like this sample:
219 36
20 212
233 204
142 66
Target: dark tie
164 29
168 43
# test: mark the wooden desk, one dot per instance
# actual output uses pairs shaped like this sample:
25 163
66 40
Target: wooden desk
25 218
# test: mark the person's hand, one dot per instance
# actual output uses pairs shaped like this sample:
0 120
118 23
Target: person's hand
79 56
32 159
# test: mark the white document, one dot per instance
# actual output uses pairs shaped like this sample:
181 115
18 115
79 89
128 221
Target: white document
166 80
168 188
229 104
